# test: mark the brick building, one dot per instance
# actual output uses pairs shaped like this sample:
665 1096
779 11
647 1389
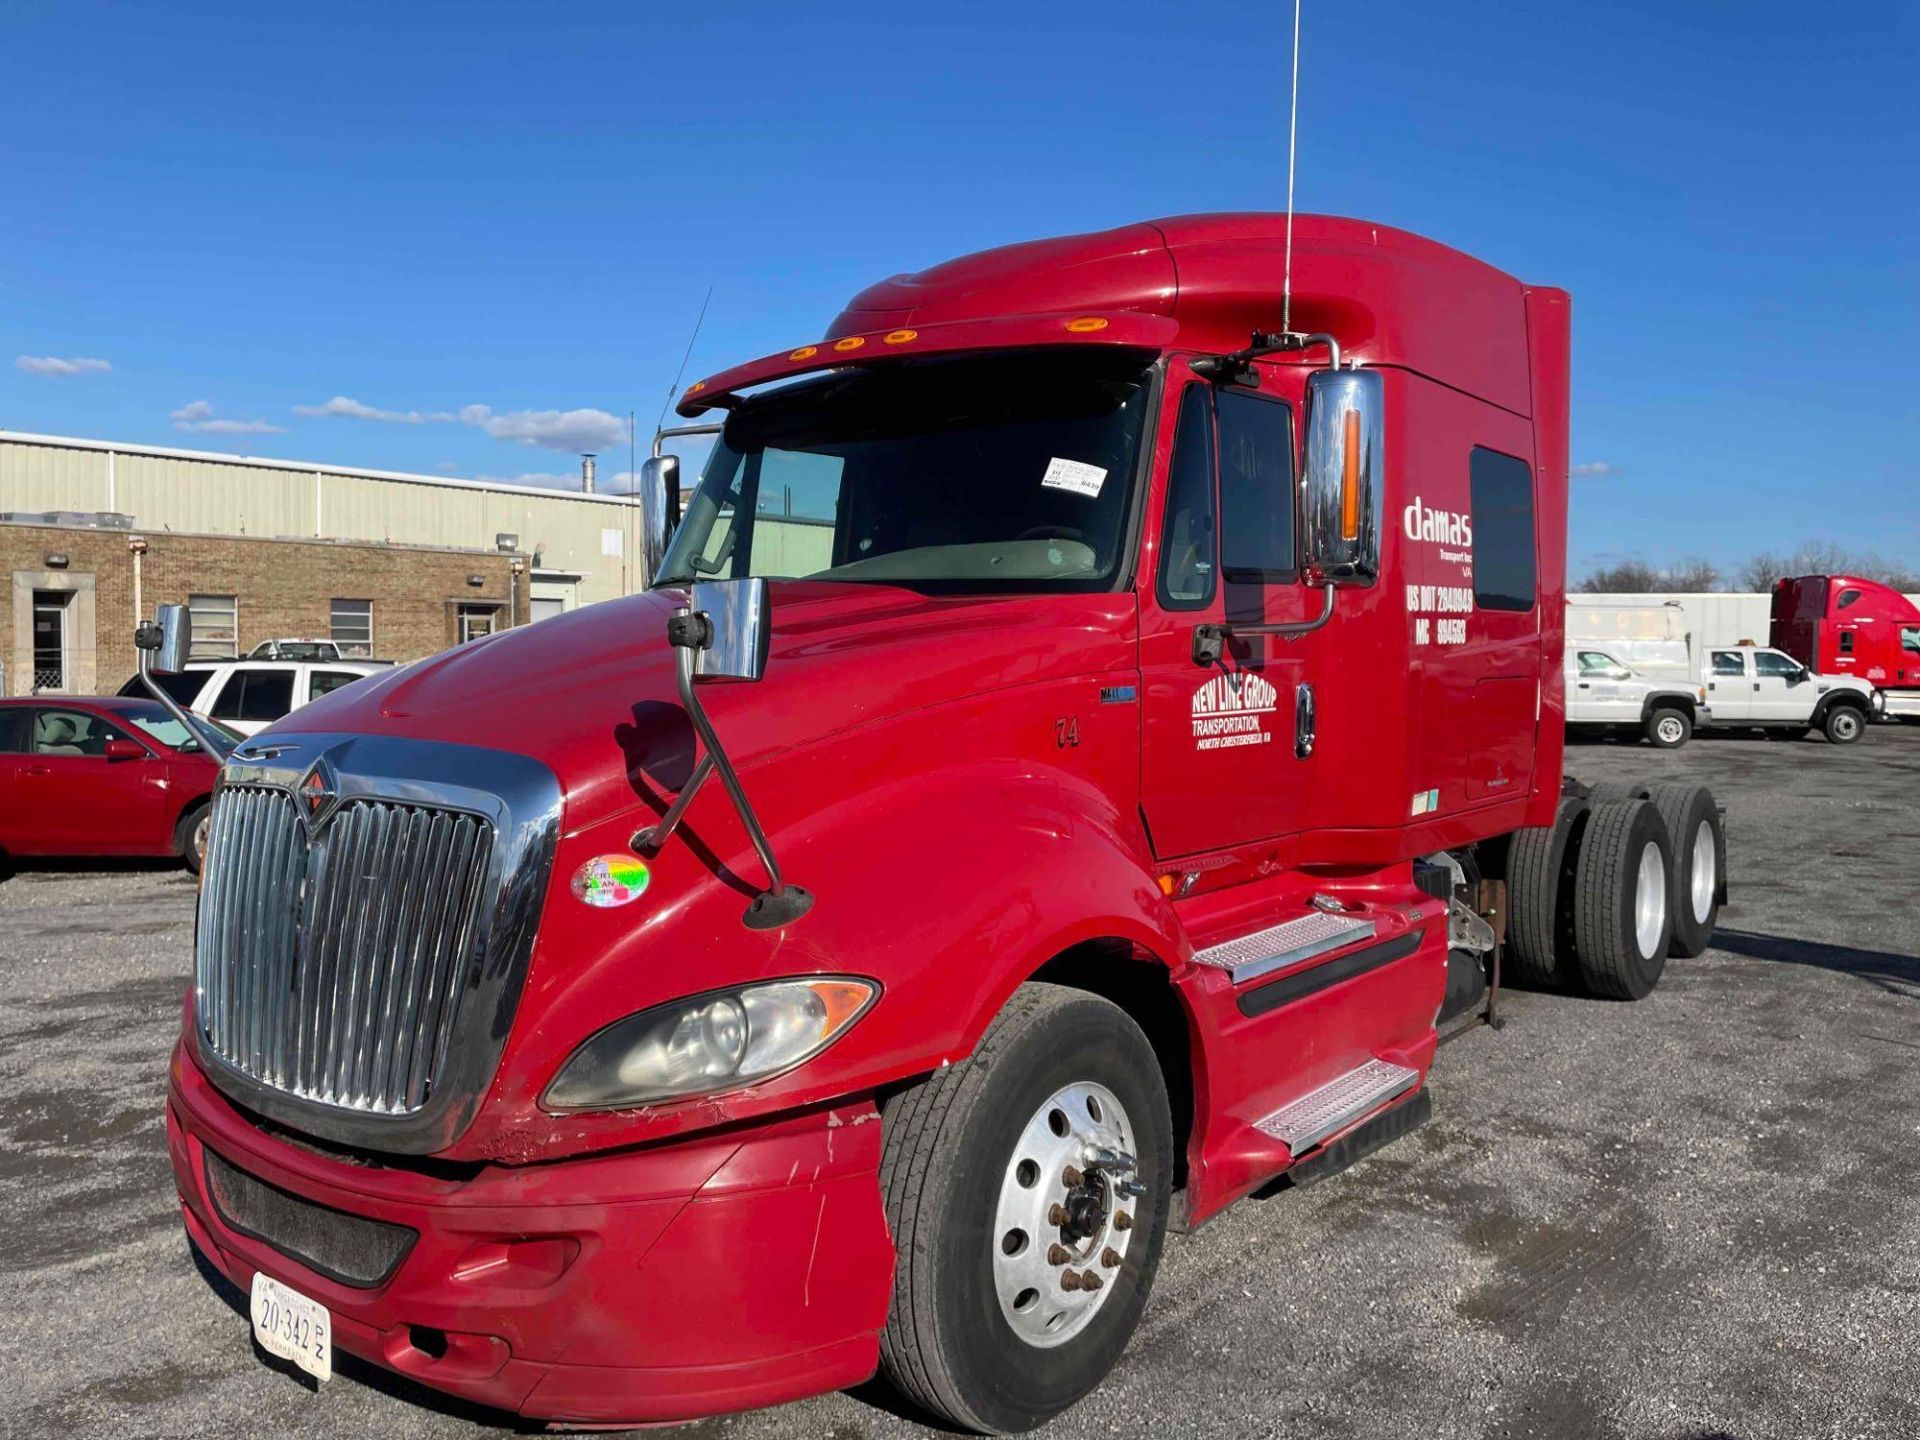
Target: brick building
72 591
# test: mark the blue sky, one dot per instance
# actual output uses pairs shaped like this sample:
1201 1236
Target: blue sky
474 221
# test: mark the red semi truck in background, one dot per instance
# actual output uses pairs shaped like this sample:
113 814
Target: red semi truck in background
1844 625
1064 880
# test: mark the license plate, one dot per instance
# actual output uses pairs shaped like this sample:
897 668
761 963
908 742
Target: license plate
288 1324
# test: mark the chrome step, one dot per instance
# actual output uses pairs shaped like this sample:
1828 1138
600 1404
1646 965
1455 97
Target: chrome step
1337 1104
1288 943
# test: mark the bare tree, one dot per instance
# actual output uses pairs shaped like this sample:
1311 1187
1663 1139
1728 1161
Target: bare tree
1822 557
1636 577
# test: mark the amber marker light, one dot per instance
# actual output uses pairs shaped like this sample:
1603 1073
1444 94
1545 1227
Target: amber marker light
1167 882
1087 324
852 342
805 352
1350 481
899 337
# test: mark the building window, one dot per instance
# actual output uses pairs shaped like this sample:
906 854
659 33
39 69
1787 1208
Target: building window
352 622
1256 488
216 626
477 620
1503 545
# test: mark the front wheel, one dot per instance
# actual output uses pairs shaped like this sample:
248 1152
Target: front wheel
1668 728
190 836
1844 725
1028 1191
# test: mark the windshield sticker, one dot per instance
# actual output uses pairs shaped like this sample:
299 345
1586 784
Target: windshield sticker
609 880
1232 710
1075 475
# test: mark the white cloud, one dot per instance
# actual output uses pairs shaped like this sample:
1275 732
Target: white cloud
197 416
352 409
56 365
1596 469
573 430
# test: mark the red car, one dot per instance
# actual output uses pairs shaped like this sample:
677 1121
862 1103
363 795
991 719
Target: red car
101 775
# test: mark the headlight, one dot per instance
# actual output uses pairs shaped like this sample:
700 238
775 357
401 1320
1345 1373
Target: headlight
717 1041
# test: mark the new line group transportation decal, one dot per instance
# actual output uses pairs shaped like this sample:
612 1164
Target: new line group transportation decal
1232 710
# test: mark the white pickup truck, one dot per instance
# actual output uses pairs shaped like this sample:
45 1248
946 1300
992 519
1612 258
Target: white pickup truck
1604 690
1754 685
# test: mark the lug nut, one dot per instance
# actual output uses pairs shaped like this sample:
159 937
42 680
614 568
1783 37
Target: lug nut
1131 1188
1057 1215
1069 1280
1058 1255
1110 1258
1122 1220
1090 1281
1072 1178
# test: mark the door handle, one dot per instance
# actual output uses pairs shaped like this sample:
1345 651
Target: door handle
1585 686
1756 684
1303 721
38 770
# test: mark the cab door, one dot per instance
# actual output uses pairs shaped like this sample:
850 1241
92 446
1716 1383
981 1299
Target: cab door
82 801
1729 686
1218 766
1782 688
1602 690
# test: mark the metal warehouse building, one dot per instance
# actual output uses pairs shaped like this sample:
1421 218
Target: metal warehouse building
394 563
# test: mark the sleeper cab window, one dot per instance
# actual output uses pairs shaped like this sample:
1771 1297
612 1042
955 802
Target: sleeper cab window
1256 487
1503 543
1187 534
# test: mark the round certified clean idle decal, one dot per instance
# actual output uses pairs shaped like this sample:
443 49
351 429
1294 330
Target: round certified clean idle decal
609 880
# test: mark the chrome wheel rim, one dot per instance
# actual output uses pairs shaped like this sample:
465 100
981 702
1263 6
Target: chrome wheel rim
1649 901
1706 876
1669 730
1049 1234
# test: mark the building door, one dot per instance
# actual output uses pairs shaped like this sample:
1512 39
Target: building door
49 640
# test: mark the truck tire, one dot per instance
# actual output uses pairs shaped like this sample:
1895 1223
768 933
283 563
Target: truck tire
1622 910
1668 728
1699 863
190 835
991 1327
1844 724
1608 791
1539 917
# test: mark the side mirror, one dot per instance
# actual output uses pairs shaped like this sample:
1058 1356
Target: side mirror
176 639
739 615
126 750
659 502
1342 492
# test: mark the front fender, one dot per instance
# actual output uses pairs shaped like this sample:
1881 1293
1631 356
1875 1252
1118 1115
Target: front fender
949 886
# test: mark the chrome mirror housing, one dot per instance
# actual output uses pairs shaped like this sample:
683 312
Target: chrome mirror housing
176 639
739 615
1342 489
659 482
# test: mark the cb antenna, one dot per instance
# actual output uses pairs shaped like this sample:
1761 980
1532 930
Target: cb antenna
1293 125
680 374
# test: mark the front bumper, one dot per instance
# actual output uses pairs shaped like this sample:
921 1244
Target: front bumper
719 1273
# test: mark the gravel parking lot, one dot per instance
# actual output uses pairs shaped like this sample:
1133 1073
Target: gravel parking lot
1692 1217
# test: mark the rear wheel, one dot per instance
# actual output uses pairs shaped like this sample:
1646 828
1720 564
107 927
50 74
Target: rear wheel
1668 728
1844 724
1699 863
190 835
1027 1188
1538 889
1622 911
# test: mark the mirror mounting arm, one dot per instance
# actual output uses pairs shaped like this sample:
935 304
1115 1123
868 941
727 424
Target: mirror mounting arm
146 641
690 632
1210 641
1237 368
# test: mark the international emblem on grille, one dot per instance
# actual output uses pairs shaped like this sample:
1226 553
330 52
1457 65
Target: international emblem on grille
316 792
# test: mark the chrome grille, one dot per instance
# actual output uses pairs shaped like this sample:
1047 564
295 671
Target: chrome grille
331 966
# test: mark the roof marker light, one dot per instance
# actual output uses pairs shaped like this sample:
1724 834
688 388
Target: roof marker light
696 387
805 352
852 342
899 337
1087 324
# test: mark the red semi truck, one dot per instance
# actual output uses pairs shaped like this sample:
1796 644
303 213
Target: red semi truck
1844 625
983 849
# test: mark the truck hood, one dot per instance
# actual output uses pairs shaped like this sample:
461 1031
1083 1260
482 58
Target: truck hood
592 694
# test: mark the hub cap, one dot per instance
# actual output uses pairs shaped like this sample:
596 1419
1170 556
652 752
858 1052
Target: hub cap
1065 1217
1705 872
1846 725
1669 730
1649 901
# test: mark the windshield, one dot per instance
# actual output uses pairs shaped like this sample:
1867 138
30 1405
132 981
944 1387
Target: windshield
153 719
1007 472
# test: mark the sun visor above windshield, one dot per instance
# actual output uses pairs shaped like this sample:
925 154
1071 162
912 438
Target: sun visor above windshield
1125 329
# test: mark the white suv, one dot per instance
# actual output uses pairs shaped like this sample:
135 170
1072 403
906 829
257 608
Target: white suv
1754 685
250 695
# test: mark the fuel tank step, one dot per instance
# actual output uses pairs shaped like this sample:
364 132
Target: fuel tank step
1314 1116
1288 943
